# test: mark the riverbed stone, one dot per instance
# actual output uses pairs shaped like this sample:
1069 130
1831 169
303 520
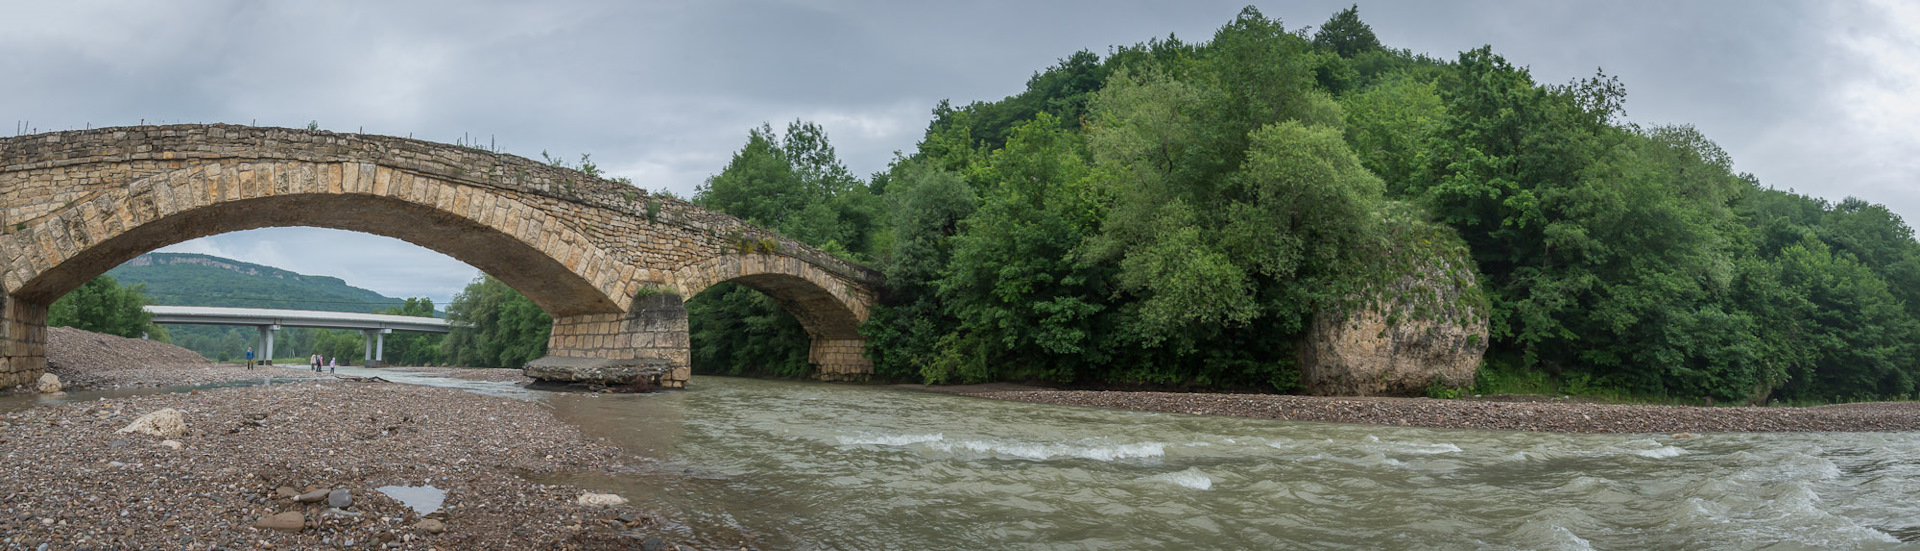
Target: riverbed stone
49 383
313 496
165 423
340 499
591 498
291 522
430 526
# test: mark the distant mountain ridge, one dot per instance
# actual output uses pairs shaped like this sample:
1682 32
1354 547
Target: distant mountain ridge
186 279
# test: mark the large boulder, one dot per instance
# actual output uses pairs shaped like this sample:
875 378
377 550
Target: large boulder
1420 321
49 383
165 423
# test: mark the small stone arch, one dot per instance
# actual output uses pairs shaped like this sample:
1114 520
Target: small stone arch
829 305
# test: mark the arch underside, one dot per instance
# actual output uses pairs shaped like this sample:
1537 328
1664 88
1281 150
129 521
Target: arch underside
821 313
540 277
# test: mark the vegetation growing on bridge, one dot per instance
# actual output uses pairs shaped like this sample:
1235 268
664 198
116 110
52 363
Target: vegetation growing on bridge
1173 213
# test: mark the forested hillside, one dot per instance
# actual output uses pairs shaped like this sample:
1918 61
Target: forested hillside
1176 213
179 279
176 279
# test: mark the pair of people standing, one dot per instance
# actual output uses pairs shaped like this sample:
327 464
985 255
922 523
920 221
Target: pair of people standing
315 361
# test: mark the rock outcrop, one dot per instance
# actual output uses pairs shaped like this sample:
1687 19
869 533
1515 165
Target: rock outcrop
1425 323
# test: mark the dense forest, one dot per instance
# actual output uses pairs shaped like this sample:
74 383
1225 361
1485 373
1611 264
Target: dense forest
1175 213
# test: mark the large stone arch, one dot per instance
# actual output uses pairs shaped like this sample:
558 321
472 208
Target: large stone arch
67 247
609 261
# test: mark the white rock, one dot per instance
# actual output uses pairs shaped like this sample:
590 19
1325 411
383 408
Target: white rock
175 444
49 383
165 423
590 498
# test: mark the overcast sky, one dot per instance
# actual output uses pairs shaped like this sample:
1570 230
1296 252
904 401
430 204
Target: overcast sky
1819 97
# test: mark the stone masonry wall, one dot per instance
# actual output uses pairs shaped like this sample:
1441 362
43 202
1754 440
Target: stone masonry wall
656 328
23 349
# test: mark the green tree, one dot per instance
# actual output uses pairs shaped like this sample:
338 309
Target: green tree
926 205
410 348
494 326
1026 307
102 305
1345 34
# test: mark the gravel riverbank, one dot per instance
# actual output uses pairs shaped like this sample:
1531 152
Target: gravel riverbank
85 360
70 480
1548 416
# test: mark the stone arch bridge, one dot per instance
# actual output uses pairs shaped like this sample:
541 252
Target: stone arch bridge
611 263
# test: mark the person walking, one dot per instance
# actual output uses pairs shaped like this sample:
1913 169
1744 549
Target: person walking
249 357
314 361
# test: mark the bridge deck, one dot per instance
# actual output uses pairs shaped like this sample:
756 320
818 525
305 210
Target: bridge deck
209 315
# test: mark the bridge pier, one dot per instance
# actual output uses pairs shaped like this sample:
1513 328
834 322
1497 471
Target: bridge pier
649 341
840 359
23 341
376 343
652 338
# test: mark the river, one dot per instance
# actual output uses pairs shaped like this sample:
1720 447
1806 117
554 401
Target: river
819 466
846 467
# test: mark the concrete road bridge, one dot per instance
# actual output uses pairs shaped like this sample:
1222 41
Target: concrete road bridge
376 327
611 263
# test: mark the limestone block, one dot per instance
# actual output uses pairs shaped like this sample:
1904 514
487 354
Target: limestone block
165 423
596 370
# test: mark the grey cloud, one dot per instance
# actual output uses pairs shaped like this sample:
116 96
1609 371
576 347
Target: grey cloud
664 92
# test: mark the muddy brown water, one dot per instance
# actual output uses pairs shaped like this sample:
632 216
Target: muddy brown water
816 466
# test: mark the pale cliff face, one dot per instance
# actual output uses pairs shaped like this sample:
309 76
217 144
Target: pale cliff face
1429 330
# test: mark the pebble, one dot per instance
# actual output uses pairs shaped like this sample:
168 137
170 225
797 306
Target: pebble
340 499
291 522
313 496
430 526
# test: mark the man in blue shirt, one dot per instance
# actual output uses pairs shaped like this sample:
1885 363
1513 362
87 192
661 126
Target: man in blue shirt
249 357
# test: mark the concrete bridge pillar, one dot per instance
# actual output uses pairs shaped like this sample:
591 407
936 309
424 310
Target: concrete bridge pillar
266 343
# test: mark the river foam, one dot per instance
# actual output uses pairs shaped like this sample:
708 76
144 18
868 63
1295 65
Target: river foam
1192 478
1032 451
